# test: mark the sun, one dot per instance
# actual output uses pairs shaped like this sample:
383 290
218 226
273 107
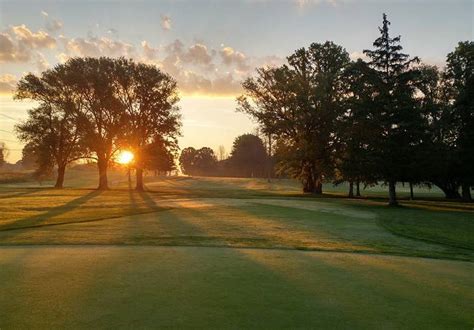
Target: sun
124 157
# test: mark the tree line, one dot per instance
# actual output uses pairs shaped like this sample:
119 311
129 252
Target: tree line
388 119
248 158
93 107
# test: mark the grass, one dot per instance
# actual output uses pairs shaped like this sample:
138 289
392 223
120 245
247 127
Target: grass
227 253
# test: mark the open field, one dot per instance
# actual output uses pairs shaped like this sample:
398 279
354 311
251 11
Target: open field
219 252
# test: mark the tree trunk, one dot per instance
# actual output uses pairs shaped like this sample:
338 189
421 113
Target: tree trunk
466 193
351 189
269 156
358 189
139 175
411 191
392 195
449 191
60 177
102 164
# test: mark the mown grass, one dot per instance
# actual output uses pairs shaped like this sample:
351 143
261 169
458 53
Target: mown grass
126 259
233 213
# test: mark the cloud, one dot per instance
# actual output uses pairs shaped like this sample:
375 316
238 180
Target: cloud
306 3
18 43
54 25
358 55
165 22
149 53
7 83
38 39
230 56
95 47
41 62
197 53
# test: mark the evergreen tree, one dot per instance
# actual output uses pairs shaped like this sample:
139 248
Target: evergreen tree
460 74
396 113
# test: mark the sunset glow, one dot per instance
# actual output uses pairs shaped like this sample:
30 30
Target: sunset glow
125 157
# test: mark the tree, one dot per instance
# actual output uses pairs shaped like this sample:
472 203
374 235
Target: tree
54 129
397 112
186 160
460 75
438 161
221 153
248 157
204 162
299 104
356 128
29 156
3 153
159 155
94 82
149 99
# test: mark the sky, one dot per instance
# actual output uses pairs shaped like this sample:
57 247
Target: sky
209 47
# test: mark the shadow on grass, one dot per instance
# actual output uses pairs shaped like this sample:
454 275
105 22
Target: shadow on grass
39 220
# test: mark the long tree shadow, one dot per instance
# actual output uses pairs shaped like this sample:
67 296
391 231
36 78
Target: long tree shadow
28 191
39 220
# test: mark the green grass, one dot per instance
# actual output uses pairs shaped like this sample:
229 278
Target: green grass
233 213
227 253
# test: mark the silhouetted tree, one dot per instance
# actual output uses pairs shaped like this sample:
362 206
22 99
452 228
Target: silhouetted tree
94 82
299 103
55 128
460 75
438 160
29 156
397 112
248 157
205 162
357 130
3 151
149 99
186 160
159 155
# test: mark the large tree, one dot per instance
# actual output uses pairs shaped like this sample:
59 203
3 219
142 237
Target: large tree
149 97
460 75
299 103
55 128
357 129
94 80
397 112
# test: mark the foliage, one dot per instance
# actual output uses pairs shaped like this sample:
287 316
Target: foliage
300 103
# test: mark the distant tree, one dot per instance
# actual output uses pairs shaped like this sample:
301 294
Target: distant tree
186 160
205 162
159 156
54 129
221 153
3 153
30 157
149 99
299 104
248 157
397 112
460 75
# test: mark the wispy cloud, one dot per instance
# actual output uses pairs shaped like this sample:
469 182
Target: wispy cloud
165 22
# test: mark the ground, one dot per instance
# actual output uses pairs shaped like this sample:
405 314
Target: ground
231 253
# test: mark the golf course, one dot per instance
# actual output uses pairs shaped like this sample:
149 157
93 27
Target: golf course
197 252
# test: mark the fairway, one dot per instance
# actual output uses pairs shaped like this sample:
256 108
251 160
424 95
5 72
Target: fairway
230 253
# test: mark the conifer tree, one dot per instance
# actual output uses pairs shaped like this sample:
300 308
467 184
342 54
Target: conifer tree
396 111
